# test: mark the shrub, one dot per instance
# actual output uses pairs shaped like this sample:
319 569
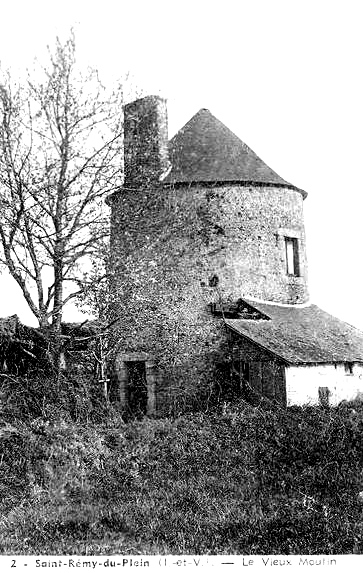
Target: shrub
244 480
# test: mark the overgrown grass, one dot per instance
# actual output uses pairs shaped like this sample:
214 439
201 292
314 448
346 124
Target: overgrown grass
246 480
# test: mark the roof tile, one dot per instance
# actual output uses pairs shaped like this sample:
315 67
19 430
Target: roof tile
205 150
302 335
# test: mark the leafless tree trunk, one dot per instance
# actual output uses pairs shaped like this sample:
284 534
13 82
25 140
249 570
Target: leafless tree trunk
60 155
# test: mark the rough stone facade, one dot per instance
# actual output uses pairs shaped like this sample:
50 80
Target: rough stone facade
145 141
266 373
177 248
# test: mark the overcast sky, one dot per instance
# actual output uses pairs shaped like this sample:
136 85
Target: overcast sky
284 75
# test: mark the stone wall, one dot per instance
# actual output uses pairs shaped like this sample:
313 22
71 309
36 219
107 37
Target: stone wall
266 372
166 246
145 141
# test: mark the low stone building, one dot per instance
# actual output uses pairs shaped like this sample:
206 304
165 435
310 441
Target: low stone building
202 229
296 354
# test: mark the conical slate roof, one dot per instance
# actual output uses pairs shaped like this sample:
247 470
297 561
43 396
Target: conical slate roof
205 150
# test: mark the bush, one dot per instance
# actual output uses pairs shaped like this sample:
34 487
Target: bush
245 480
42 394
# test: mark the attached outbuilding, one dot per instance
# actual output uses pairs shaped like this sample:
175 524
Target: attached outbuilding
295 354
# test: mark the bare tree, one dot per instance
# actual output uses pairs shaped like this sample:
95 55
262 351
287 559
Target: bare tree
60 155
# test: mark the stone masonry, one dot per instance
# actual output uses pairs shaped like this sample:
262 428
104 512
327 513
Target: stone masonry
176 248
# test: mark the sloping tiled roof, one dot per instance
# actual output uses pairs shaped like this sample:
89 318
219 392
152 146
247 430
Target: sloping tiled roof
205 150
302 335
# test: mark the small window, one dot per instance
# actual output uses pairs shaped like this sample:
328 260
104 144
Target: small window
348 368
292 256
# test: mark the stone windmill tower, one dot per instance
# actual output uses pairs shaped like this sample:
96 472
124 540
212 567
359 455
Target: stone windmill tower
200 225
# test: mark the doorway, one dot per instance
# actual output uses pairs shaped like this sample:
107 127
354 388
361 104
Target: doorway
136 388
136 379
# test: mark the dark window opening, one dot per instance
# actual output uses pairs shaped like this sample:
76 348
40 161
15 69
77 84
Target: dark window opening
213 281
136 390
324 394
245 371
237 309
348 368
292 256
241 374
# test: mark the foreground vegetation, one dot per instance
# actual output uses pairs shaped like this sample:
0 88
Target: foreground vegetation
76 479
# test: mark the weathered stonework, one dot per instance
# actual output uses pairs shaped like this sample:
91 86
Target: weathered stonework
145 141
167 243
267 375
175 249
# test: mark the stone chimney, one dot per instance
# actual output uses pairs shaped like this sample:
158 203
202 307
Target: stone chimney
145 141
